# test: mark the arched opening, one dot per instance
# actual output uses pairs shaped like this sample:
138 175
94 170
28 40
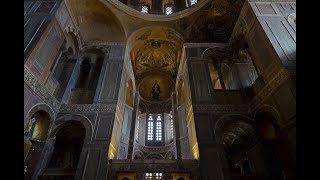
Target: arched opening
88 77
277 151
238 136
38 126
68 145
180 178
63 71
125 178
35 133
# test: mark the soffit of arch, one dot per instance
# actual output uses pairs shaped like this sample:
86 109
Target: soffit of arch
110 17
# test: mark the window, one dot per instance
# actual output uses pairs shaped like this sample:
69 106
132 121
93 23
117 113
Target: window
150 128
137 128
144 9
168 10
171 127
192 2
154 130
153 175
148 175
158 128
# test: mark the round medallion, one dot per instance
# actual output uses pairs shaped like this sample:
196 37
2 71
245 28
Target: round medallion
155 44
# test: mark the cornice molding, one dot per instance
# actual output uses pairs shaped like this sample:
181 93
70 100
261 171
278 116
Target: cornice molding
40 90
88 108
221 109
270 88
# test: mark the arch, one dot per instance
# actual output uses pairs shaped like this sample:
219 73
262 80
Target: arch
170 155
292 20
227 118
38 107
267 123
68 145
154 156
138 155
58 123
72 41
268 109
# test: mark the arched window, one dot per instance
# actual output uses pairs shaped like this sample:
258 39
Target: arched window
192 2
169 10
144 9
171 127
154 129
153 175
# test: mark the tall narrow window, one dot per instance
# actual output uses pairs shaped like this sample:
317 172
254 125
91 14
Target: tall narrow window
150 128
144 9
168 10
137 128
192 2
158 128
171 127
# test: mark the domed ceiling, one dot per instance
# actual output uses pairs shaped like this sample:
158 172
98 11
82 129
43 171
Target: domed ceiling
155 49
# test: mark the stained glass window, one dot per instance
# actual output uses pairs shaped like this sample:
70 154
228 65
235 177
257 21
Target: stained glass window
192 2
168 10
144 9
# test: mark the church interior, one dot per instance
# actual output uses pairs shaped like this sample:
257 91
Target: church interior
160 89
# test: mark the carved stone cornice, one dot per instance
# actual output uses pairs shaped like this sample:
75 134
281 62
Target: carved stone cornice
229 108
88 107
154 149
270 88
155 165
40 90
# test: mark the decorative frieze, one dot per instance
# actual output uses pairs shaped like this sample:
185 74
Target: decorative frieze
40 90
154 149
155 165
88 107
270 88
229 108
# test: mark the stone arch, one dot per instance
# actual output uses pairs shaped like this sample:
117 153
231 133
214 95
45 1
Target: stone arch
268 109
72 41
154 156
170 155
268 122
138 155
38 107
292 20
58 123
230 117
